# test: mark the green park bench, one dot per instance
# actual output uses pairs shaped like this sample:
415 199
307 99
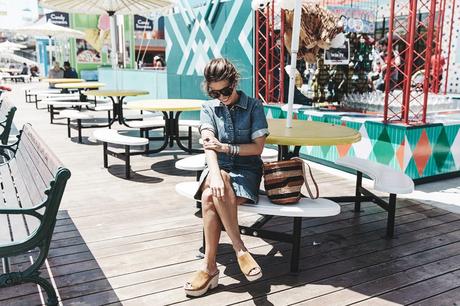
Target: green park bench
7 112
32 185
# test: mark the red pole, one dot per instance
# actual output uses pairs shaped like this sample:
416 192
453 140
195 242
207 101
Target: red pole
272 53
388 60
409 58
256 62
267 55
450 45
439 27
282 58
429 39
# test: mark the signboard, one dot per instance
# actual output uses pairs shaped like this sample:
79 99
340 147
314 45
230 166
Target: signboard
338 56
142 24
58 18
357 20
86 53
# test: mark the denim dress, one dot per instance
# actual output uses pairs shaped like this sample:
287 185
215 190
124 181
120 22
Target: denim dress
239 124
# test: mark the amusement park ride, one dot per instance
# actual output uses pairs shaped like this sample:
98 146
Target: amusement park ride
416 28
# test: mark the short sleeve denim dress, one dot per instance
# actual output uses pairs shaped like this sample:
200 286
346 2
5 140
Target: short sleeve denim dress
239 124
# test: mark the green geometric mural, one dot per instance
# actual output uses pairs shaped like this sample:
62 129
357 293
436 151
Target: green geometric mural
195 36
441 149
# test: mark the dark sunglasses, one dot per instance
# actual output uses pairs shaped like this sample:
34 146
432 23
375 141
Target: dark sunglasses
226 92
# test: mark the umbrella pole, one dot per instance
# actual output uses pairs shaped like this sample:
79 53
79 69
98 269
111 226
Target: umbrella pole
113 39
294 50
50 52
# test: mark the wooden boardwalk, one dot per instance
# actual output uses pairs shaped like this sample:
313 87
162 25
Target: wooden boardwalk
135 242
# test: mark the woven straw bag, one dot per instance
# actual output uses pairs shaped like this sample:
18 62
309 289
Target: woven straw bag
283 181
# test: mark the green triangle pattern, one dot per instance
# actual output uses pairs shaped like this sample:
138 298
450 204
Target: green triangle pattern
411 169
449 164
374 129
431 167
451 132
351 152
325 150
433 133
383 149
396 135
413 136
441 149
354 125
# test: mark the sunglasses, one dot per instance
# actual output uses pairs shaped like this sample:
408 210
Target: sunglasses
226 92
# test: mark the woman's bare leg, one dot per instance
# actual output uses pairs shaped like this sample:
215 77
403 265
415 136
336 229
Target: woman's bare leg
227 209
212 226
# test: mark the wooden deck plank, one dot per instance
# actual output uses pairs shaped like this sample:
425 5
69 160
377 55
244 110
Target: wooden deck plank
236 289
450 297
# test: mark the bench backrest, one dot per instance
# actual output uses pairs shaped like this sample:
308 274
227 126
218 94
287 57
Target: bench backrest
40 180
6 120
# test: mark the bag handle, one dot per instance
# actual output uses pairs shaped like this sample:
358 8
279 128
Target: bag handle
309 176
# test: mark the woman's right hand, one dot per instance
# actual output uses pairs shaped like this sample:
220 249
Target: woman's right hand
217 185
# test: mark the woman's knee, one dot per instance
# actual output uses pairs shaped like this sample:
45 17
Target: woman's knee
206 199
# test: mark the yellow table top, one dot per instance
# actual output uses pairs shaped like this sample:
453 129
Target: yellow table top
81 85
167 105
116 93
59 81
310 133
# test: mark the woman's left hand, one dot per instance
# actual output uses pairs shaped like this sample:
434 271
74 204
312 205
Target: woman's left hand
215 145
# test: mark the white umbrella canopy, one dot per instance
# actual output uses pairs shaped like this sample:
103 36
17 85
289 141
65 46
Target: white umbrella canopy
110 7
17 58
98 7
51 30
9 46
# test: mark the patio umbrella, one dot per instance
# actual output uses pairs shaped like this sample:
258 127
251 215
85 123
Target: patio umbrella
9 46
110 7
16 58
297 6
51 30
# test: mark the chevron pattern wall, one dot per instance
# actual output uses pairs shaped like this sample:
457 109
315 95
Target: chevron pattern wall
195 35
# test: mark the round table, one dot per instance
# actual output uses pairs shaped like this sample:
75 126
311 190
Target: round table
62 81
308 133
117 97
80 86
171 109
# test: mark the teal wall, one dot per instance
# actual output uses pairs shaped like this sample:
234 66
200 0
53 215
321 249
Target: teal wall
215 29
152 81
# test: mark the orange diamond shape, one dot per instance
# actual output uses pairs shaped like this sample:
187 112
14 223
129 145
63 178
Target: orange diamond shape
400 155
343 149
422 152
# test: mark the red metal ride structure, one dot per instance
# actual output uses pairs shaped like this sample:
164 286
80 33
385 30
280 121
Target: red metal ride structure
416 29
269 56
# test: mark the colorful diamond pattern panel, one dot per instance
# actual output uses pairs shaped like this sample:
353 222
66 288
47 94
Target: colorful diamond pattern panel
419 152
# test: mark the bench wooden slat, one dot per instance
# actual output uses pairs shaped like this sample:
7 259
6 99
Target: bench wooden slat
15 223
5 235
24 197
9 198
38 163
49 158
32 180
